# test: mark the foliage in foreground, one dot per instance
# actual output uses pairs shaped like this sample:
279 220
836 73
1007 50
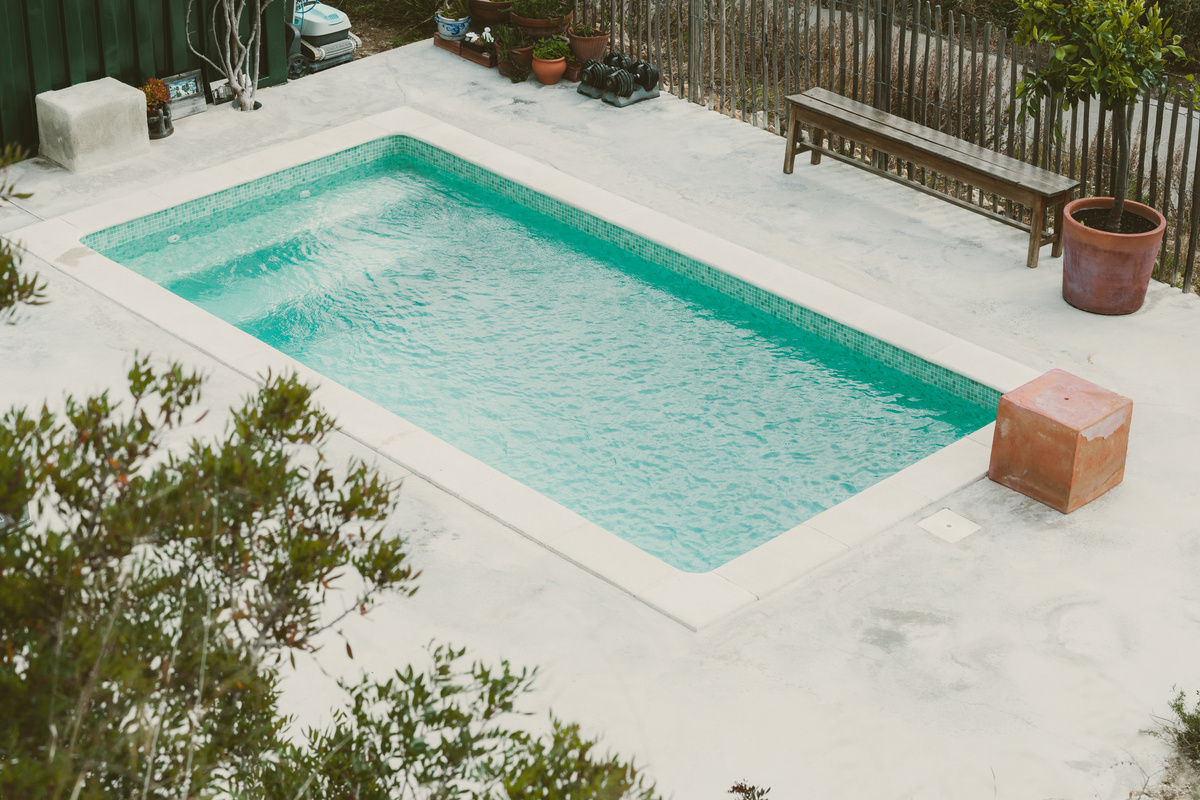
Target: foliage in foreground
748 791
149 600
1183 731
16 288
146 601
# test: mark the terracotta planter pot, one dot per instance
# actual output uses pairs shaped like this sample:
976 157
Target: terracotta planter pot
522 56
587 47
490 11
549 71
1107 273
540 28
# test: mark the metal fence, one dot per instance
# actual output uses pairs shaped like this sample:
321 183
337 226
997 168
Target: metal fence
909 57
53 44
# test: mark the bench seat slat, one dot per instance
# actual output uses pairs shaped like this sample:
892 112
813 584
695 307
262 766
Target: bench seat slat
990 178
866 118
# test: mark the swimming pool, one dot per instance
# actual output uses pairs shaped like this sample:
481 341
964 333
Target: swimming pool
784 292
686 421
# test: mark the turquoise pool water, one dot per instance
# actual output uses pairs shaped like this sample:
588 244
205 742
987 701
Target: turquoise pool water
686 421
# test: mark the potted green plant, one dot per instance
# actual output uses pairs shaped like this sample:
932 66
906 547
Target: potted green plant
587 41
158 109
1114 50
514 53
550 59
540 18
453 19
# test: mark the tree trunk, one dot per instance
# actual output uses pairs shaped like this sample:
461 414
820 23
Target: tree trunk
1122 135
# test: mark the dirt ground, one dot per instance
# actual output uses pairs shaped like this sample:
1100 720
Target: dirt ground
375 38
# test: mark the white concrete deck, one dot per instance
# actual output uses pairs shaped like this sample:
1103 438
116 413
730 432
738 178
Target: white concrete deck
1021 661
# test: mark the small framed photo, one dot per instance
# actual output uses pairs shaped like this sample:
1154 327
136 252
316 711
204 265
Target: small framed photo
187 93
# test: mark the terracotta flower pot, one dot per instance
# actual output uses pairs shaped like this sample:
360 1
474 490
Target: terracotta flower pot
541 28
588 47
522 56
490 11
549 71
508 68
1107 273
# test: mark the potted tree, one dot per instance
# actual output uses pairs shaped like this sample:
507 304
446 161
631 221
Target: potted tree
550 59
540 18
1114 50
452 20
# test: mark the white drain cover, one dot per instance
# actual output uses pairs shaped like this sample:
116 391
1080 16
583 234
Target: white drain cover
947 525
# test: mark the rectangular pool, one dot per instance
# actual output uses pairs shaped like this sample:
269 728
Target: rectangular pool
693 414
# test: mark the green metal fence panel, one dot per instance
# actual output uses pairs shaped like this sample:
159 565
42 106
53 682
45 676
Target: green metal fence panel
53 44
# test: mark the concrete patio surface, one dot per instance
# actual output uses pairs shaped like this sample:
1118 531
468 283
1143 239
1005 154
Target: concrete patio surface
1023 661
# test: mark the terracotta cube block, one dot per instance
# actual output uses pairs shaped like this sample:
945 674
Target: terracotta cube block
1061 440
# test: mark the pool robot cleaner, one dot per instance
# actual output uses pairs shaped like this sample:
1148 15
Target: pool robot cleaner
318 38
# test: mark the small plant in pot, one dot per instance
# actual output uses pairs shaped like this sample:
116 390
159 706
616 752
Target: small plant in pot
550 59
158 109
453 19
587 41
1116 51
540 18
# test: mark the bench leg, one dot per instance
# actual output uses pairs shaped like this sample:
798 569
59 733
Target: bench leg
1035 231
818 137
1059 215
793 138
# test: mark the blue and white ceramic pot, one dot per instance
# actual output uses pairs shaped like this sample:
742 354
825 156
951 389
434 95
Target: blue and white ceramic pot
452 29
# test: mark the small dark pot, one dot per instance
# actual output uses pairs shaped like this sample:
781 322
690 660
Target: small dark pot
522 56
159 122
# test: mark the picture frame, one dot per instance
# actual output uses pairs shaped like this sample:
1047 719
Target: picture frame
187 93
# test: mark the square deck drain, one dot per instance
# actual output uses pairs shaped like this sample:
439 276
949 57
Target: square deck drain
947 525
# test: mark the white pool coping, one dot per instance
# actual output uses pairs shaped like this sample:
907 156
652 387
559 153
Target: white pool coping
692 599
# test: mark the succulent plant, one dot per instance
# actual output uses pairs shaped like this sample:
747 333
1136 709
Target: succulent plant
550 48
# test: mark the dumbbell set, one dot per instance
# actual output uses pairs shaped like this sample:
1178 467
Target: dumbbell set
619 80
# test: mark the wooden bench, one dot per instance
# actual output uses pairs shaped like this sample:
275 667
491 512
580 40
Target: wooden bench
829 113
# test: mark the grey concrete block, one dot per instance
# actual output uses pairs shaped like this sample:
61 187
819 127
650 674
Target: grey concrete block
92 124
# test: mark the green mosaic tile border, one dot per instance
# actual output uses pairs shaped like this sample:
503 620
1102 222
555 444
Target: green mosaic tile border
804 318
